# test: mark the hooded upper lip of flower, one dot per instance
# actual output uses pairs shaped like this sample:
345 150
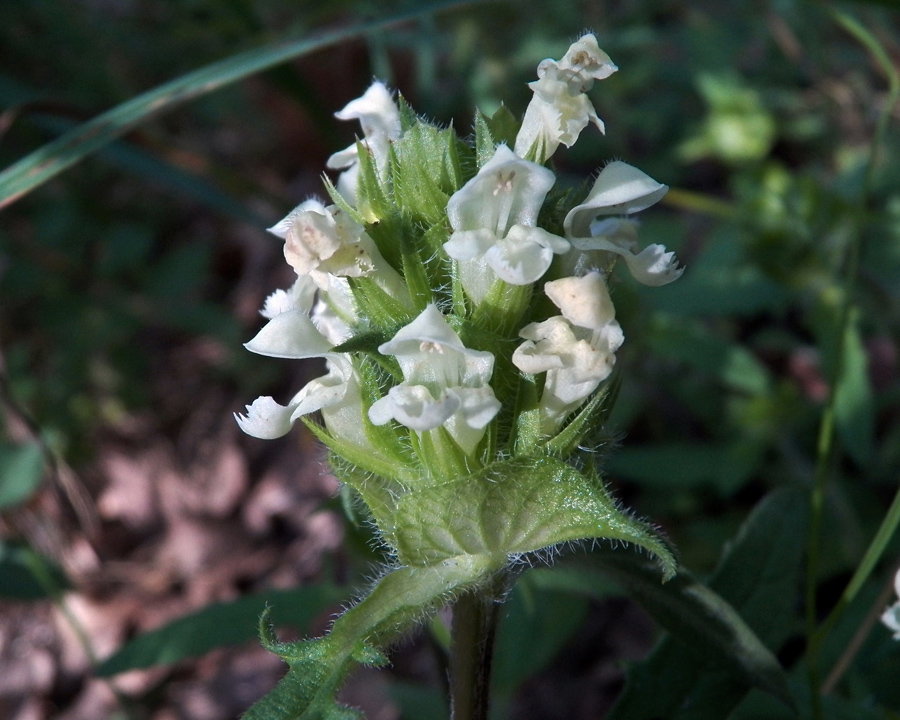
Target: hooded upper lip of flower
560 110
494 219
621 189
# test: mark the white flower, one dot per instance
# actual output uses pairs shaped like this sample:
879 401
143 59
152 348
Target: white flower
380 120
494 218
324 239
621 189
325 243
445 383
336 394
292 334
891 616
576 350
560 110
583 63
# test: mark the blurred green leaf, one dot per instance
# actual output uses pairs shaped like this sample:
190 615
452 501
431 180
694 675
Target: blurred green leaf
683 465
536 623
854 402
758 578
219 625
50 160
417 702
733 365
26 575
21 470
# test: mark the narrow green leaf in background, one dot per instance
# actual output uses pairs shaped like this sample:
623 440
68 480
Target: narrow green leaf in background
51 159
708 670
21 469
220 625
26 575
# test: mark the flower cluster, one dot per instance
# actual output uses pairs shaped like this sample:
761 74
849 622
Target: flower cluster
494 239
460 301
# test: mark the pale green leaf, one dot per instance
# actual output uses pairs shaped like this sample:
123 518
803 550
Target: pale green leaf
515 507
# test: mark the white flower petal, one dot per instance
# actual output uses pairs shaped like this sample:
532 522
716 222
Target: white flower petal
583 301
265 419
445 383
300 296
619 189
506 191
379 117
478 407
653 266
376 111
413 406
343 158
891 618
324 391
291 335
524 255
469 244
585 62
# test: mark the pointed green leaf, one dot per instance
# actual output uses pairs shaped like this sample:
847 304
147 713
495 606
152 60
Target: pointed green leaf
854 401
504 126
371 192
485 145
515 507
400 600
382 310
758 576
219 625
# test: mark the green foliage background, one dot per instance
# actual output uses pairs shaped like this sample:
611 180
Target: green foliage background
760 115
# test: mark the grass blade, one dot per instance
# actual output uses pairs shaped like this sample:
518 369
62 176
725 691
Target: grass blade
48 161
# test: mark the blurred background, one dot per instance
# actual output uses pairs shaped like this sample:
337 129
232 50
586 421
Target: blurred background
128 497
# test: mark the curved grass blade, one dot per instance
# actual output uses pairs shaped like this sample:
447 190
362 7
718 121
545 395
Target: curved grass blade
48 161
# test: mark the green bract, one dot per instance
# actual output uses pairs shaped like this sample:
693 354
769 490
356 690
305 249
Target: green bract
468 350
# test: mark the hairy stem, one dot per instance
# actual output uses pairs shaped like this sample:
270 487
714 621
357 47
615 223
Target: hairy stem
474 628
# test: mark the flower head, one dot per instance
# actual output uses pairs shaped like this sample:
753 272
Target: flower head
494 221
445 383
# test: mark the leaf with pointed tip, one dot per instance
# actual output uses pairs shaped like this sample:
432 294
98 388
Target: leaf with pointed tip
401 598
514 507
218 625
758 576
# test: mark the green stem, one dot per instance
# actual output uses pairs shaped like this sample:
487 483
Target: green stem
474 629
